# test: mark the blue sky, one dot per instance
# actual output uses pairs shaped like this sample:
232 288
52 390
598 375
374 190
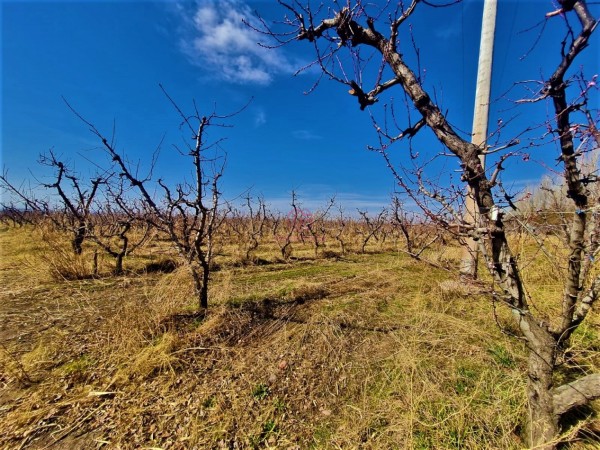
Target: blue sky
108 57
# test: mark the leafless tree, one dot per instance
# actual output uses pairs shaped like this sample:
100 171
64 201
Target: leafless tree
76 211
369 227
340 230
120 225
315 225
346 38
189 211
14 215
249 226
418 235
74 206
285 227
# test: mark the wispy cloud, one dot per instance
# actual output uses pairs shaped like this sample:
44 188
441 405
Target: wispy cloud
215 38
306 135
522 184
317 197
260 118
449 32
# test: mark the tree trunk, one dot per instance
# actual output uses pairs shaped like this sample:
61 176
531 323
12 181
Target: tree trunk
95 263
342 245
543 422
119 264
204 287
78 239
124 244
286 251
199 289
250 257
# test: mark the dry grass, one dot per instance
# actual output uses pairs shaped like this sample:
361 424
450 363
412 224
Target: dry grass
368 352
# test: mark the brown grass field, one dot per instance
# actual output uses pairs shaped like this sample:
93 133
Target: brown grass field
364 351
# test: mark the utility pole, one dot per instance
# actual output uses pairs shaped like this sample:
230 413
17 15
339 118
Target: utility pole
480 125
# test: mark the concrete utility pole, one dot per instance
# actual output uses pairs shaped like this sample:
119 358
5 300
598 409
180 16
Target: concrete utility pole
480 123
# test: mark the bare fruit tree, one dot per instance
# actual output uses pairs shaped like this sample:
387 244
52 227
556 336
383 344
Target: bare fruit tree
189 212
369 227
73 208
357 44
418 235
340 227
248 226
119 226
285 227
316 227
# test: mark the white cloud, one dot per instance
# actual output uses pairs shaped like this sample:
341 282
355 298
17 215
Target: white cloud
216 39
306 135
260 118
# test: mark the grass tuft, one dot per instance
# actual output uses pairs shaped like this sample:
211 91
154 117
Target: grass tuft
155 358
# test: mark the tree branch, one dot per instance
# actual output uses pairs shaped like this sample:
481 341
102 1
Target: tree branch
576 393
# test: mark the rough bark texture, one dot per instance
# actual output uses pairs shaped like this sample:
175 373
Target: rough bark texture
576 393
78 238
543 421
204 288
119 264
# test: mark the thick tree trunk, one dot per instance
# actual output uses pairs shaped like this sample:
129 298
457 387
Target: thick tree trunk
124 244
543 422
119 264
250 250
342 245
286 251
199 288
204 288
201 281
203 297
78 239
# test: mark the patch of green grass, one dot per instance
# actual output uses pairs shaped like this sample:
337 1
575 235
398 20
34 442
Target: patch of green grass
375 427
270 426
260 391
422 440
287 273
279 405
209 402
587 337
77 366
276 292
268 432
501 355
321 436
465 380
456 438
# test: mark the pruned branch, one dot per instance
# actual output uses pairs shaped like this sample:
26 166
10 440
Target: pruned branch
577 393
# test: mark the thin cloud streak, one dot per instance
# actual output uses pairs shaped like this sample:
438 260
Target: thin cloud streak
313 200
306 135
